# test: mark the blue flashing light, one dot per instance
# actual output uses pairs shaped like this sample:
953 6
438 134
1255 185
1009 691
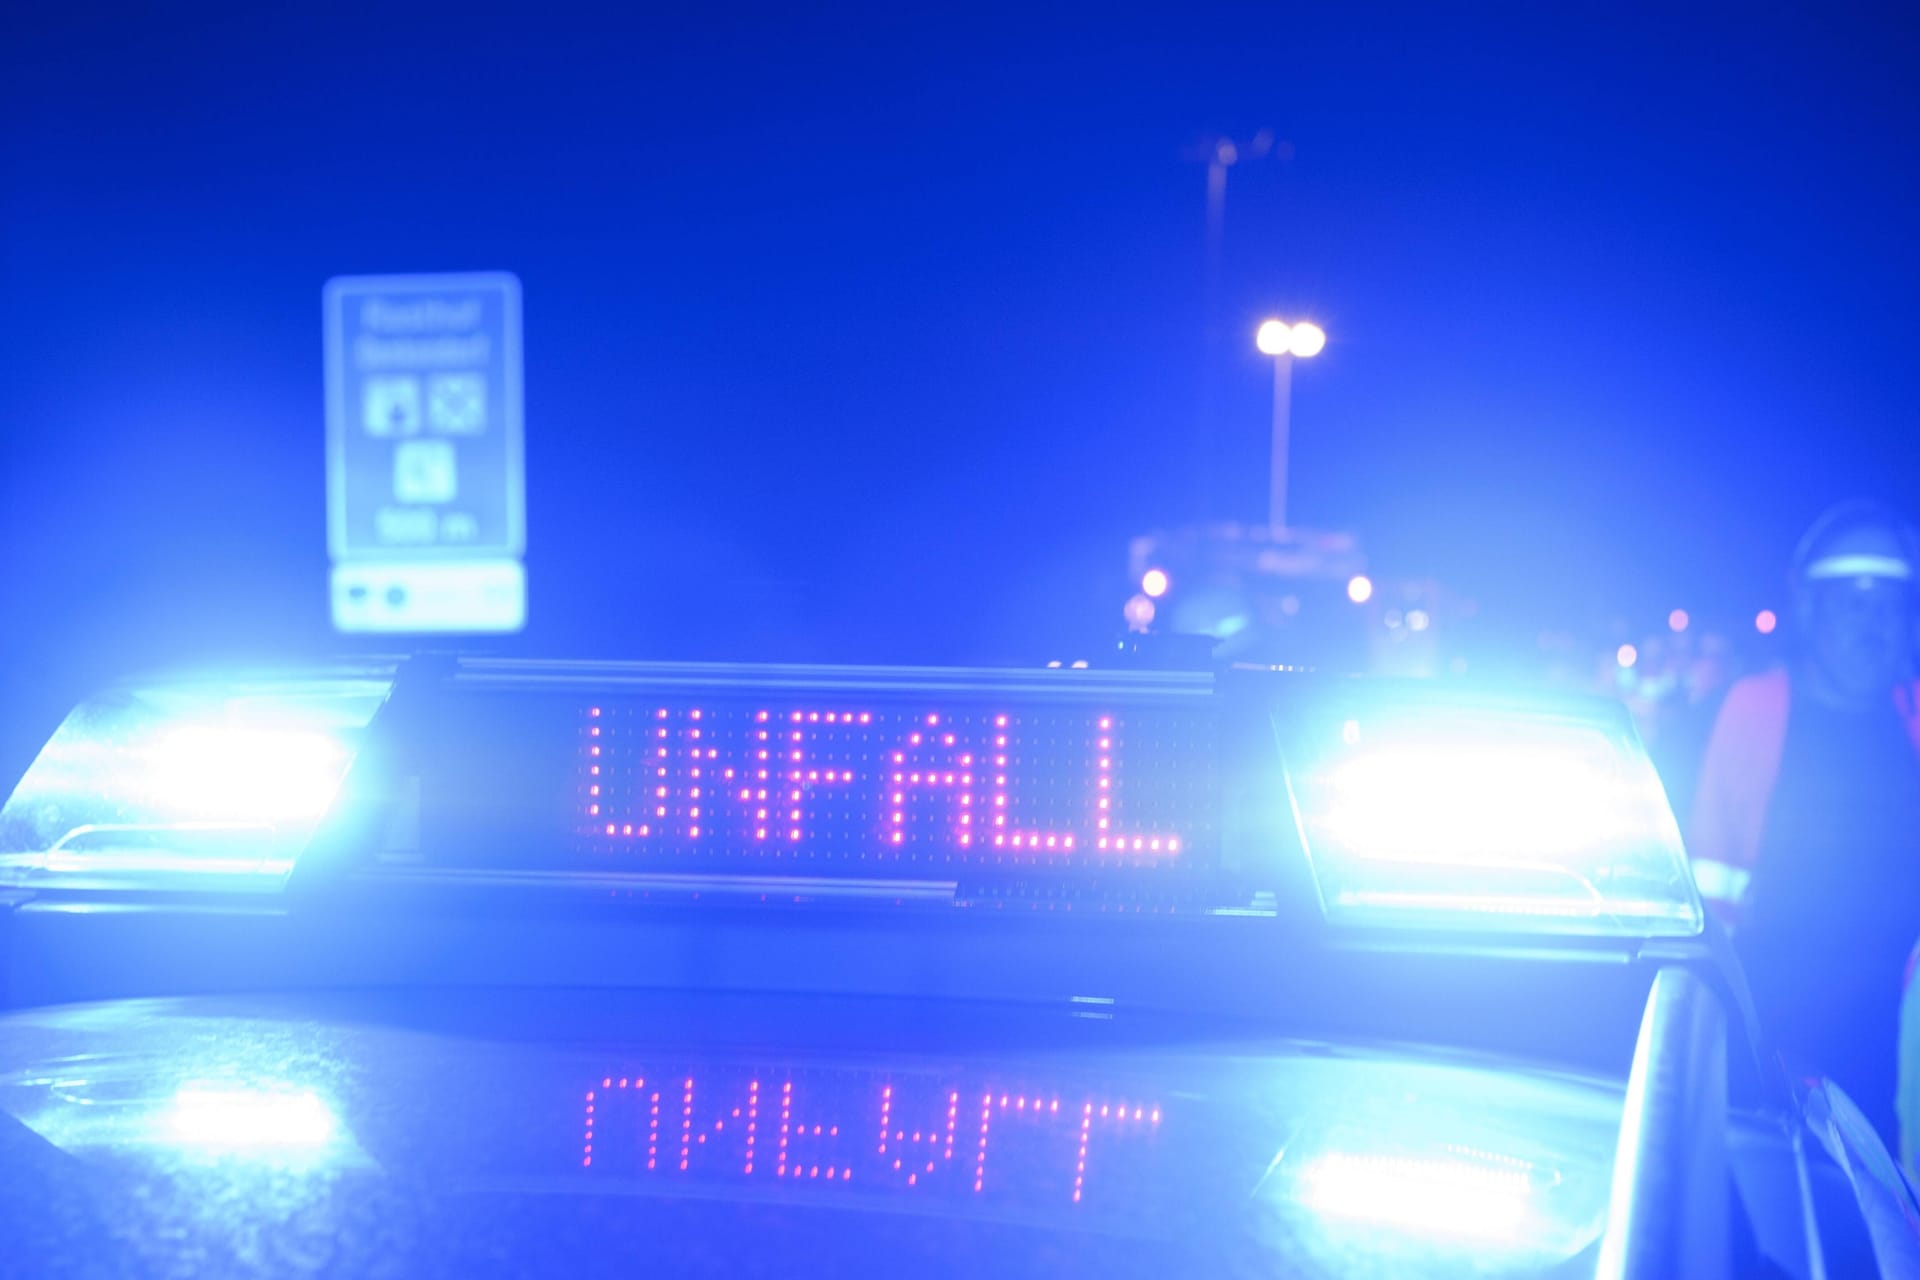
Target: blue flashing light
228 1120
1492 819
219 1111
1454 1195
244 773
186 783
1449 1172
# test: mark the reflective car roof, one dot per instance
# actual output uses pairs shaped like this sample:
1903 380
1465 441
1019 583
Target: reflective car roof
598 1133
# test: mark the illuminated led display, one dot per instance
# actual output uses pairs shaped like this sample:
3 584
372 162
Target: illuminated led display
889 784
905 1136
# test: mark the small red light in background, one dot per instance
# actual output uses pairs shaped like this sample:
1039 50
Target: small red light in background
1765 621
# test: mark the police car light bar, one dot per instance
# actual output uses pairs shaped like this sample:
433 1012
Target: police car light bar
1501 819
1415 807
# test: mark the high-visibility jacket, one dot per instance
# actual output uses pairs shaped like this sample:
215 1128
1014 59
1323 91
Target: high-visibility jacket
1737 780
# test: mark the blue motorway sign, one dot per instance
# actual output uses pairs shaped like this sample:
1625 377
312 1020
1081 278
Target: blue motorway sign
426 489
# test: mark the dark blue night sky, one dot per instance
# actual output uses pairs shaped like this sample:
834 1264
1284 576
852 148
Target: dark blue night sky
875 334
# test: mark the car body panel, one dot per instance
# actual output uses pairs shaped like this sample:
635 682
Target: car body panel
588 1133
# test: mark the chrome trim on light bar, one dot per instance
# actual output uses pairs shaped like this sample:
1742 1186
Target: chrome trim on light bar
729 676
671 883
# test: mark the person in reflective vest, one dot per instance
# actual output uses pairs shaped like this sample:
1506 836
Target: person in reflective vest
1805 829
